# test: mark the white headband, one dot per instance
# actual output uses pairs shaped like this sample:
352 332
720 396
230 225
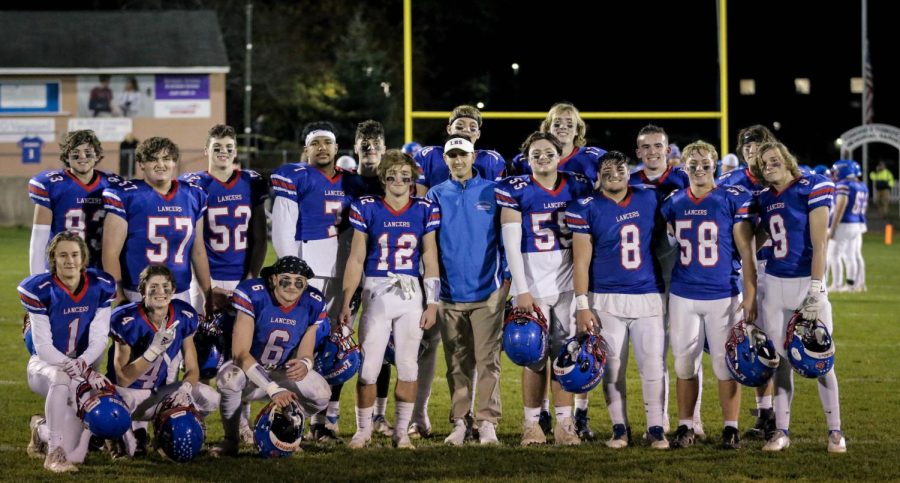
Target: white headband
320 133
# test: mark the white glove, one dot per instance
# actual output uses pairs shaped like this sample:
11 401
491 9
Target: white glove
96 380
405 283
813 301
75 367
182 396
161 341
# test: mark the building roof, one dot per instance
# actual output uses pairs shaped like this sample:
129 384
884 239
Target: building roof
113 42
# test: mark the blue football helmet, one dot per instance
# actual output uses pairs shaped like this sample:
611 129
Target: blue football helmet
749 355
525 338
277 431
581 362
823 170
103 411
843 169
26 335
809 346
390 352
411 148
178 430
339 358
857 169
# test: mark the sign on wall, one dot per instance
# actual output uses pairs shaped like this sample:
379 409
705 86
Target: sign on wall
14 129
115 95
182 96
109 129
29 96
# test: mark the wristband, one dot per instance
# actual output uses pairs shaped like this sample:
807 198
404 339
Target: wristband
432 290
307 362
581 302
815 286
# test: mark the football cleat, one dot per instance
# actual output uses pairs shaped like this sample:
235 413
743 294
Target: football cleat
57 462
621 437
487 433
730 438
546 422
582 425
836 442
532 434
564 434
684 437
699 434
657 438
381 426
225 448
36 448
419 430
458 436
361 439
764 426
778 441
322 434
402 440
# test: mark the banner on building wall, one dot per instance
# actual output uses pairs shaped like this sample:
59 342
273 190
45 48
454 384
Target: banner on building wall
115 95
29 96
12 130
182 96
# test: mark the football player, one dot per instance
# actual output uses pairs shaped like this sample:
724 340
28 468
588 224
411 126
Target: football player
150 336
70 199
539 254
847 226
392 233
69 310
155 221
613 260
464 120
272 346
748 141
794 210
564 121
711 225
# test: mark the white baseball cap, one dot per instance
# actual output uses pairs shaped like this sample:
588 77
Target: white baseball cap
730 160
460 144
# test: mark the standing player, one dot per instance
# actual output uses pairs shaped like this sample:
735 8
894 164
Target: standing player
464 120
155 221
712 227
794 210
70 199
235 223
847 226
748 142
318 233
612 241
68 309
391 234
538 250
272 346
564 121
149 337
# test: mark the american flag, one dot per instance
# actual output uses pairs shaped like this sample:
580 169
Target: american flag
869 89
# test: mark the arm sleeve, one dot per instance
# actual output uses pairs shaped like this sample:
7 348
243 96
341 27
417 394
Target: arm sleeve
98 336
284 223
512 242
43 340
40 235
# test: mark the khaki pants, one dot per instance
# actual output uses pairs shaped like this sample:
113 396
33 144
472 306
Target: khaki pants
472 335
883 199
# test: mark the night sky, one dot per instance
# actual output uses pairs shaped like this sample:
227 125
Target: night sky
656 56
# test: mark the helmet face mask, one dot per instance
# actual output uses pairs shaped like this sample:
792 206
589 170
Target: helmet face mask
339 358
750 355
809 346
278 431
525 337
581 363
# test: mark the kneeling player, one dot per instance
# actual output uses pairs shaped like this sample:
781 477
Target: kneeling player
148 336
69 313
711 226
272 346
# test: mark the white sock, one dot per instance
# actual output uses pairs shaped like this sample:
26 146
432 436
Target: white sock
653 392
364 419
764 402
581 403
545 405
684 422
44 433
784 395
334 409
733 424
380 406
402 414
55 441
563 412
532 414
616 403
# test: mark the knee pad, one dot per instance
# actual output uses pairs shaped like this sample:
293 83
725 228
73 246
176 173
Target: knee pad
314 393
368 373
58 377
687 367
206 398
407 369
231 378
721 369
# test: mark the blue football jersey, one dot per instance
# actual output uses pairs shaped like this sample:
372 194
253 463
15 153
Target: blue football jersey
673 178
70 313
857 200
708 264
785 216
160 228
394 237
130 324
582 160
622 235
543 211
323 201
741 177
277 330
76 206
433 169
229 206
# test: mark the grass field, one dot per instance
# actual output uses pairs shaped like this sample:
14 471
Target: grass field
867 334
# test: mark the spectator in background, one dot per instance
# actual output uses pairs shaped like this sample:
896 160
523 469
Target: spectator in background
126 155
674 157
131 99
100 103
882 182
729 163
